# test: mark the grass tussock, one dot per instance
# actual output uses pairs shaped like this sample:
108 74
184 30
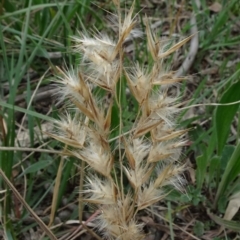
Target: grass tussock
128 172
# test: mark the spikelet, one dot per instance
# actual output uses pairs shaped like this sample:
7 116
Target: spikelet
147 155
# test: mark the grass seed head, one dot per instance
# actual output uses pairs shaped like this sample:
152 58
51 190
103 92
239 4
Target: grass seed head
147 156
148 195
102 191
97 156
116 221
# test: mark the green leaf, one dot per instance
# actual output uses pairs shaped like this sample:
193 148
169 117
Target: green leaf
27 111
10 11
224 115
34 168
231 172
202 162
198 229
235 226
9 7
214 169
226 155
234 164
42 52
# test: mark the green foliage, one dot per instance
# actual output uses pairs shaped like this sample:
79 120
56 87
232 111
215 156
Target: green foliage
223 116
220 171
231 172
225 164
29 32
198 228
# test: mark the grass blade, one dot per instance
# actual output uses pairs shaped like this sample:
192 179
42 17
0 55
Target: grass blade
27 111
224 115
235 226
230 173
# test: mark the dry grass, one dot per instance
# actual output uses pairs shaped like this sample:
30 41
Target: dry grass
129 173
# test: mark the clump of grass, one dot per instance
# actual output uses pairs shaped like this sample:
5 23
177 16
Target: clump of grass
130 172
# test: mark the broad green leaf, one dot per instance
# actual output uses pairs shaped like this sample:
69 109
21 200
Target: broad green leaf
231 172
234 164
226 155
214 170
224 115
